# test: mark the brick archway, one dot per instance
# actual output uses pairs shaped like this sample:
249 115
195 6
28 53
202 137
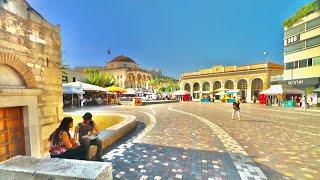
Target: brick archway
14 62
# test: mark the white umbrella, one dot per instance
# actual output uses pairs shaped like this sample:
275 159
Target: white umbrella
221 93
86 86
222 89
72 90
181 93
279 89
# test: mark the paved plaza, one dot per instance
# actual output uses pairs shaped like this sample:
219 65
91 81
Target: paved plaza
200 141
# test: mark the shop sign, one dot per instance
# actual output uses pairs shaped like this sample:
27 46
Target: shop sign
295 82
293 39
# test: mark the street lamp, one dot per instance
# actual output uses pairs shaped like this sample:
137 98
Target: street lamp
267 55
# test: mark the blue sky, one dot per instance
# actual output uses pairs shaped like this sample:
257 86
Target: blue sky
174 35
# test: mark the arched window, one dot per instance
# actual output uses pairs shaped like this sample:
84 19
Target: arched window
187 87
206 86
229 84
196 87
216 85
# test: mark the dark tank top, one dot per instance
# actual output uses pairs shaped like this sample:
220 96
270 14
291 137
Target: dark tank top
84 130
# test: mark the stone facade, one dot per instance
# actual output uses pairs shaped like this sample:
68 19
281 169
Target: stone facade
126 72
31 46
250 79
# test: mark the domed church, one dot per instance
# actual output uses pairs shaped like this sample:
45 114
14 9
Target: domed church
127 73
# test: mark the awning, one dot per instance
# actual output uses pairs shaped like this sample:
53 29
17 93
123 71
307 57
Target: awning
222 89
233 91
72 90
221 93
181 93
85 86
280 89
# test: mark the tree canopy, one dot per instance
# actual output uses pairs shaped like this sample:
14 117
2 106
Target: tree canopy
164 84
99 79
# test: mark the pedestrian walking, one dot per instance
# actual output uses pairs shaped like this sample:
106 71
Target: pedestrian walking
303 103
236 109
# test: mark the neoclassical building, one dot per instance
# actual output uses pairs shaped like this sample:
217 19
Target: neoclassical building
249 79
127 73
30 80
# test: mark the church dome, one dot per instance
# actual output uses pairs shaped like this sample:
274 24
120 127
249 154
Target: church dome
122 59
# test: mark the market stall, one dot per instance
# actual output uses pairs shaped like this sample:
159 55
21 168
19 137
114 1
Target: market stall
72 95
280 95
233 95
94 95
115 93
182 95
220 94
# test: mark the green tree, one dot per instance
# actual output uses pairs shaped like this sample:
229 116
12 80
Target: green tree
99 79
309 90
164 84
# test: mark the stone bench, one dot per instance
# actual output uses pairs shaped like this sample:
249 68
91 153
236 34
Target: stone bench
113 133
25 167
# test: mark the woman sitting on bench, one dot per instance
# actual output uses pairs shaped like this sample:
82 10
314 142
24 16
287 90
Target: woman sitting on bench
63 146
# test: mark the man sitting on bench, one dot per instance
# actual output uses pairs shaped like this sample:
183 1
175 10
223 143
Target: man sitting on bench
88 132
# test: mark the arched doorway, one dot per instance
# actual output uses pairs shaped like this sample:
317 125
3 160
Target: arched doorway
243 86
196 91
12 135
187 87
256 87
229 84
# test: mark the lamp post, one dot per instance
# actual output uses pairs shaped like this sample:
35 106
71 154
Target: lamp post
266 53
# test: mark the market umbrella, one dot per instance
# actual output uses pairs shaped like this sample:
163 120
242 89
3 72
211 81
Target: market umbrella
72 90
221 93
222 89
181 93
85 86
233 91
116 89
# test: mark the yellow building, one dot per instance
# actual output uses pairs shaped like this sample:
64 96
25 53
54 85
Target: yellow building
249 79
126 72
302 52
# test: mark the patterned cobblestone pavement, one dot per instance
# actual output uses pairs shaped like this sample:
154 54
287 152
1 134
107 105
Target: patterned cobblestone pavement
178 146
285 143
200 141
